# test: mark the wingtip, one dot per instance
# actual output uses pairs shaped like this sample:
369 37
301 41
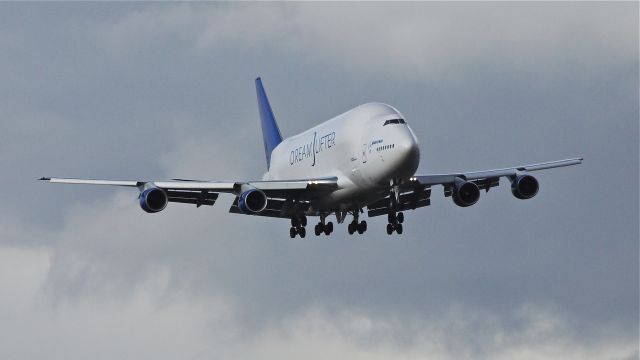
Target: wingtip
45 178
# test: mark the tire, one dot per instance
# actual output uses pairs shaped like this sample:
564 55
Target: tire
292 232
389 229
400 217
294 222
391 217
318 229
351 229
364 225
330 227
302 232
399 229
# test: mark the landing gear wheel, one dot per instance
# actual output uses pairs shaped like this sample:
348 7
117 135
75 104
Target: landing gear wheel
398 229
318 229
328 228
392 217
294 222
292 232
400 217
303 221
389 229
351 228
303 232
362 227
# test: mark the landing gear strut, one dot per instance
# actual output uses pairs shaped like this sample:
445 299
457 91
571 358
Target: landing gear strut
297 226
323 227
354 226
395 218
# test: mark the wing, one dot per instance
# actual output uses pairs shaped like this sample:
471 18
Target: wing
417 191
201 192
180 191
492 175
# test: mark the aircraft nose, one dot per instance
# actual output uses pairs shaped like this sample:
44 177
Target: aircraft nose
408 153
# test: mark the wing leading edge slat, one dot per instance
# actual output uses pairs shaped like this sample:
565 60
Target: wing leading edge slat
130 183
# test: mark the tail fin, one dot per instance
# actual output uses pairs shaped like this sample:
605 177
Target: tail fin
270 132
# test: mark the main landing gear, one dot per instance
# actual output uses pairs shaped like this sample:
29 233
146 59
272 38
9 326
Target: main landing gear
299 222
354 226
322 227
395 223
297 226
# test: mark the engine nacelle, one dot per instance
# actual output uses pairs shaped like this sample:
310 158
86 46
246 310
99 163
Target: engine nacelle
465 193
252 201
524 187
153 200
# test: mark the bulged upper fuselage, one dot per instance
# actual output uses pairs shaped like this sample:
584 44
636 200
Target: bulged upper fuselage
365 148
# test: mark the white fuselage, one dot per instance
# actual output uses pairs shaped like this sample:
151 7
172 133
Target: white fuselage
357 148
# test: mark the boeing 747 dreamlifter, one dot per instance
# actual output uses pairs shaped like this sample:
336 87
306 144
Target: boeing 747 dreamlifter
365 158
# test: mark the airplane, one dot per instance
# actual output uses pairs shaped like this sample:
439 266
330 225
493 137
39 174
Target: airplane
365 158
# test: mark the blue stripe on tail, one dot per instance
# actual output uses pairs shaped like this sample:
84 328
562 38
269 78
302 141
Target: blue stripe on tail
270 132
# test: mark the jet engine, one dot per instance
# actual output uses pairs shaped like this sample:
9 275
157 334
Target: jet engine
153 200
465 193
252 201
524 186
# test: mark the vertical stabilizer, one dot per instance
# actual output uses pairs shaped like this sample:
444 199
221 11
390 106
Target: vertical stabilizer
270 133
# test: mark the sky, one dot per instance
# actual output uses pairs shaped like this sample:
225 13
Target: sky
165 90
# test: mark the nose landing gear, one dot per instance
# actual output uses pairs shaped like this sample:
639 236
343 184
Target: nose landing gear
395 218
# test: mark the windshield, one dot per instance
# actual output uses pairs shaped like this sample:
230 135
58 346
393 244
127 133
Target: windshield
394 121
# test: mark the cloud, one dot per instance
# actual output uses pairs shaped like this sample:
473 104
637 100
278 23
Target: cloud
165 325
100 329
229 154
318 334
429 41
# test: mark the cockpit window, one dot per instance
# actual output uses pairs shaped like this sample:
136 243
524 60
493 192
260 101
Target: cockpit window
394 121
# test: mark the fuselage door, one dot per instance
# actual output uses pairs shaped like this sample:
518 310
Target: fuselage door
364 153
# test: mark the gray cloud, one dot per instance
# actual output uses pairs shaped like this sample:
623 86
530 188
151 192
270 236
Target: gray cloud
182 326
160 91
437 41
